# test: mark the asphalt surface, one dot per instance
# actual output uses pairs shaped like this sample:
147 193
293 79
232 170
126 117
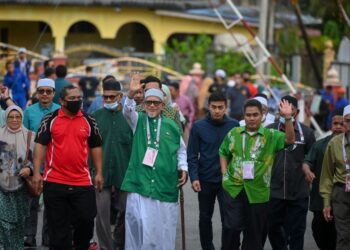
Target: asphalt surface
192 232
191 226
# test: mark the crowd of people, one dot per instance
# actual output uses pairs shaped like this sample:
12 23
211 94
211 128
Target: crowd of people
119 158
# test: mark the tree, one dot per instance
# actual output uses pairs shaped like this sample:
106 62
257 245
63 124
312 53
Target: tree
336 11
181 55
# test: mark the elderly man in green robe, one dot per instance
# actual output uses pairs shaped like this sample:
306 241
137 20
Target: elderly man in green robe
158 152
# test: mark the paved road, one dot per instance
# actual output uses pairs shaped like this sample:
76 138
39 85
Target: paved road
191 223
192 233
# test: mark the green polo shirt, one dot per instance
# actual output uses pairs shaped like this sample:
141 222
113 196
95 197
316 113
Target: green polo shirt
270 142
117 142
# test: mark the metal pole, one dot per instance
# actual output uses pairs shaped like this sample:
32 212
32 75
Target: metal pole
266 55
308 45
182 206
262 34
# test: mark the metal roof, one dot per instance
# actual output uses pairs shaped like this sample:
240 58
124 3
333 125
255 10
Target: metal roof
189 8
283 16
154 4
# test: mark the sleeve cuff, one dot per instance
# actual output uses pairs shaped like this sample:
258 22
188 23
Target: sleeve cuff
326 202
183 167
129 102
223 156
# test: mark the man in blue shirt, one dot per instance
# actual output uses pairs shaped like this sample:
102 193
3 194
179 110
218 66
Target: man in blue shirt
18 83
34 113
32 119
204 165
22 63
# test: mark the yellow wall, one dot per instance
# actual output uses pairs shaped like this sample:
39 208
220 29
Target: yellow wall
26 34
107 21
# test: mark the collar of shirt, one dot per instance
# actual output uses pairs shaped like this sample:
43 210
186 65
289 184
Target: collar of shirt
260 130
61 114
41 107
347 142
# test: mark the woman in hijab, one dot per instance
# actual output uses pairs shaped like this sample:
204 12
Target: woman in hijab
15 165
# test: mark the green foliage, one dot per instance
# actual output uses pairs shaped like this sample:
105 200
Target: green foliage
332 31
232 62
181 55
318 43
289 42
334 26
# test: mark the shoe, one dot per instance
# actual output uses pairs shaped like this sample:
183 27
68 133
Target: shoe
29 241
93 246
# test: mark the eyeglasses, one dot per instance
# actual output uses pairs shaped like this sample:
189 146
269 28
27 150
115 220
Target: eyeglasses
14 117
155 103
43 91
110 97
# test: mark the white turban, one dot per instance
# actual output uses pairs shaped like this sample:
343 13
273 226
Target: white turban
262 100
154 92
346 110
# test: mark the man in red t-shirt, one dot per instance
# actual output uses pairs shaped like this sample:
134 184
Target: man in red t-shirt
253 90
65 137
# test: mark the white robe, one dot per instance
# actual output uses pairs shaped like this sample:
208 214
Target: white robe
149 223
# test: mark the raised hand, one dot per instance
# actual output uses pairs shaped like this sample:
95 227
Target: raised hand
286 109
135 84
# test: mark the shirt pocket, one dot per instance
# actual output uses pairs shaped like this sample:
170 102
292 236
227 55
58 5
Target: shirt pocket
124 137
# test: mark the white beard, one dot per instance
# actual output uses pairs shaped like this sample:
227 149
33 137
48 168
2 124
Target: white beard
152 115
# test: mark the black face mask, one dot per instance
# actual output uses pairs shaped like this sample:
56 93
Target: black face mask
73 106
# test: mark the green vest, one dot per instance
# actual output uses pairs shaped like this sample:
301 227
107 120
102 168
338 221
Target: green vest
159 182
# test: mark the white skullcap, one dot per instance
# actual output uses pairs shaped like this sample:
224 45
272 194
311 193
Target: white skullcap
154 92
22 50
220 73
46 82
231 83
262 100
346 110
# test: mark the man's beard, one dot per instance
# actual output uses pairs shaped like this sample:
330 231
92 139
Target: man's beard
152 114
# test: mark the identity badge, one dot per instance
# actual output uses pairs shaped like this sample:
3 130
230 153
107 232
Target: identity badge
150 157
248 170
347 183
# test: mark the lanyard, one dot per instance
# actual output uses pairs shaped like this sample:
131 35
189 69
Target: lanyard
345 156
149 133
256 146
302 139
